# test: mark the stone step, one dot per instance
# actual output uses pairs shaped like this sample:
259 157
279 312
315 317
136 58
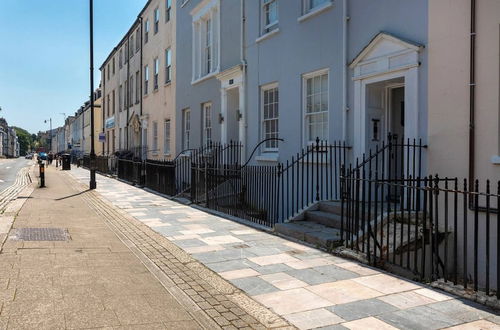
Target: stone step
324 218
313 233
331 207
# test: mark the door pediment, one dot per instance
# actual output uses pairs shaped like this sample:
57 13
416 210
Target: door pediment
385 53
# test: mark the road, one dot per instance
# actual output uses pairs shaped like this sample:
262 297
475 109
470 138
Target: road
9 169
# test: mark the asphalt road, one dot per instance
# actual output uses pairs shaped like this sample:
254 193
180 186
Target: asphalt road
9 169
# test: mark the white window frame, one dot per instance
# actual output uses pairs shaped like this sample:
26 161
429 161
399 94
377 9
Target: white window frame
120 59
168 10
305 114
309 7
137 87
146 31
120 96
269 26
137 40
207 122
209 11
146 79
131 46
131 90
168 65
155 137
265 88
186 128
156 16
156 73
166 137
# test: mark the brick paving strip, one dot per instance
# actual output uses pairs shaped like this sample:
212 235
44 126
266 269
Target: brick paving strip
63 267
307 287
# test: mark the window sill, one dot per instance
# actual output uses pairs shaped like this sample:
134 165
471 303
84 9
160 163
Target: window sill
315 12
495 160
267 157
205 77
267 35
168 83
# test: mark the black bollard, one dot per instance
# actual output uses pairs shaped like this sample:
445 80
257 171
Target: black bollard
42 176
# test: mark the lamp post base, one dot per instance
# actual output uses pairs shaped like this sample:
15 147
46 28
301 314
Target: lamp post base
92 184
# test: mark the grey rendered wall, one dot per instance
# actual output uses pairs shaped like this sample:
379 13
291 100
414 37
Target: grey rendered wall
192 96
314 44
406 19
298 48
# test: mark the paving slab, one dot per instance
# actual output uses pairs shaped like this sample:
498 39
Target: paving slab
302 284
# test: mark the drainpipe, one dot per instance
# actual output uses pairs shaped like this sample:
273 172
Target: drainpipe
472 94
244 77
128 86
140 82
344 70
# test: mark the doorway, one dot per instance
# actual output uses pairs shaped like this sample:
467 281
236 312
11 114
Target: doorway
233 115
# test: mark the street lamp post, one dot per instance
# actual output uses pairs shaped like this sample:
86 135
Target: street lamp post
50 132
92 184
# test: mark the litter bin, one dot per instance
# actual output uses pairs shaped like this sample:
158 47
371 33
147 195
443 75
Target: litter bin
66 162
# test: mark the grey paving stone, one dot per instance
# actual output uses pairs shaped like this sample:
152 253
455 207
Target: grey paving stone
361 309
264 251
271 269
225 255
417 318
209 257
332 327
311 276
254 285
225 266
463 310
189 243
336 272
253 237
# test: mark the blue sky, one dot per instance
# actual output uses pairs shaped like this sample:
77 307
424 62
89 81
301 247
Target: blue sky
44 55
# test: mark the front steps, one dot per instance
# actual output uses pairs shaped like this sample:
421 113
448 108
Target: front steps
319 226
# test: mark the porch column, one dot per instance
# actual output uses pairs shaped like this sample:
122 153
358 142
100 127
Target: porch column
242 122
358 119
411 104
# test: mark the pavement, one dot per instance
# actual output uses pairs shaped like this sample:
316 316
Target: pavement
304 286
73 261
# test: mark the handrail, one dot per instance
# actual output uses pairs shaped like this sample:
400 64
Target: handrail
312 148
258 145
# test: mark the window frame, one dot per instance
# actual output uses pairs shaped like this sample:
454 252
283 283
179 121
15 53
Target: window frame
146 79
154 135
166 137
168 65
307 8
207 128
186 128
168 10
137 40
137 87
156 20
200 69
156 73
268 27
146 31
120 95
305 114
263 89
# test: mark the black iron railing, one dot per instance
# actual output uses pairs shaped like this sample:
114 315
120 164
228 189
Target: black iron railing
434 229
131 171
312 175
